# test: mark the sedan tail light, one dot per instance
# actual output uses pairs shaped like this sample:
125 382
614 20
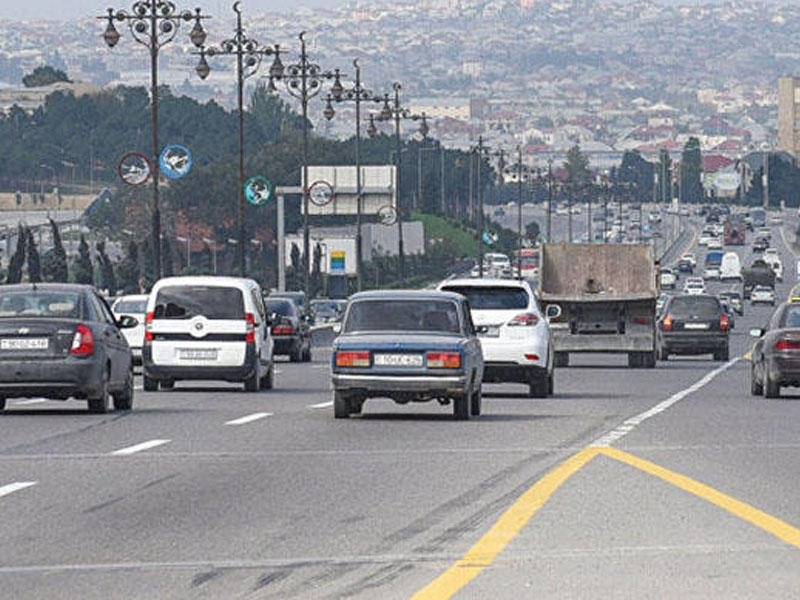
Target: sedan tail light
524 320
723 322
283 329
666 323
443 360
82 341
787 345
148 327
359 358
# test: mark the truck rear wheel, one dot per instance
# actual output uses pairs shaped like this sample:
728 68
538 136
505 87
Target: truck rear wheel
561 359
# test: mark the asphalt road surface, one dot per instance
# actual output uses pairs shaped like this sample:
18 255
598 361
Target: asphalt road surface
671 482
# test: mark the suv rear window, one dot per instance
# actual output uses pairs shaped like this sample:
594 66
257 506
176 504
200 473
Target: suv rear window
492 298
703 308
187 301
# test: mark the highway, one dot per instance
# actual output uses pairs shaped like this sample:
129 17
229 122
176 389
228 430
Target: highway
671 482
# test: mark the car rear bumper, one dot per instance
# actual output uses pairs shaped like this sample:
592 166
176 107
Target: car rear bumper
285 345
55 379
694 343
431 385
501 372
208 372
785 370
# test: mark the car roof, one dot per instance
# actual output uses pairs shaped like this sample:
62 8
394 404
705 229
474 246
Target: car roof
485 282
209 280
406 295
71 287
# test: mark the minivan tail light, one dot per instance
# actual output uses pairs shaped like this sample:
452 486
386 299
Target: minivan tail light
82 341
787 345
524 320
358 358
148 327
250 332
666 323
443 360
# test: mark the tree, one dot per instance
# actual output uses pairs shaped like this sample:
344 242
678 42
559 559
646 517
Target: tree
42 76
577 167
128 271
108 280
82 270
34 263
316 271
664 190
691 172
18 258
54 260
636 173
295 271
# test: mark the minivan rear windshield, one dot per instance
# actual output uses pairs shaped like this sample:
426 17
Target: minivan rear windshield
187 301
492 298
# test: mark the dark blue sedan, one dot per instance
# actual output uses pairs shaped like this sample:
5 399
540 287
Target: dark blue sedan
410 346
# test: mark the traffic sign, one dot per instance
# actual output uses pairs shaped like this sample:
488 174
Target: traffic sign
387 215
175 161
134 168
258 190
320 193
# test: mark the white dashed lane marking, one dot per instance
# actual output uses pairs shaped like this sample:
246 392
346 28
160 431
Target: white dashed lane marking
248 418
15 487
139 447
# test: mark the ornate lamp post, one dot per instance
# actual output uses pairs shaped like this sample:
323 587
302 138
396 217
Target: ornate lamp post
154 23
356 94
248 59
303 80
396 111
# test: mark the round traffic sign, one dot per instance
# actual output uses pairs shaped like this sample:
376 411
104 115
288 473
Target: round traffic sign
387 214
175 161
320 193
258 190
134 168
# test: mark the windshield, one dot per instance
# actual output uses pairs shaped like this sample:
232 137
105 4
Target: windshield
703 308
131 306
402 315
492 298
187 301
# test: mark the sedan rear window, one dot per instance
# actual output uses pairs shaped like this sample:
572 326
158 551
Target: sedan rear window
130 306
402 315
492 298
185 302
33 303
703 308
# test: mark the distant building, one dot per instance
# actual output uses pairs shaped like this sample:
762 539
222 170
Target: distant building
788 114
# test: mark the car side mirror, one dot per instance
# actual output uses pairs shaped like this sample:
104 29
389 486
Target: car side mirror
756 332
336 328
553 311
481 329
127 322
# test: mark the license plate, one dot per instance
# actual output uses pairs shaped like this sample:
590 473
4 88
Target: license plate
197 354
696 326
398 360
24 344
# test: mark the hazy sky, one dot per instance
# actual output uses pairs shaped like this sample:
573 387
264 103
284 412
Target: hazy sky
80 9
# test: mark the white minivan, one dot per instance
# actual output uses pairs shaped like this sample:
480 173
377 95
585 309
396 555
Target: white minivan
730 268
209 328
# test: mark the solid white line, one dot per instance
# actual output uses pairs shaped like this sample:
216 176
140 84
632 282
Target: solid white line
31 401
322 405
15 487
629 425
139 447
248 419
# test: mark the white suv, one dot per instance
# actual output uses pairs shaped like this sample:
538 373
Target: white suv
207 327
515 336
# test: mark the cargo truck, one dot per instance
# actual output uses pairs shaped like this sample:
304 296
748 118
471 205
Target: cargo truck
605 296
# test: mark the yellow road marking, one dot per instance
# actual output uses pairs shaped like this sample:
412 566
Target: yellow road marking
780 529
486 549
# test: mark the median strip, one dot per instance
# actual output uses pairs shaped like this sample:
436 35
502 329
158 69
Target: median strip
248 418
139 447
15 487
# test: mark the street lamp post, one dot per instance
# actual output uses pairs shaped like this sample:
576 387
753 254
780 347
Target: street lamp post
303 80
356 94
248 59
188 241
549 199
154 23
519 212
480 150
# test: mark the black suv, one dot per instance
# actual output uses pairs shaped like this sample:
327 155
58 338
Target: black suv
693 324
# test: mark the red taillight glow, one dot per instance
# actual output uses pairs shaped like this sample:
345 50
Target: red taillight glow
148 323
82 341
532 357
666 323
723 322
787 345
352 358
524 320
250 332
443 360
282 330
642 320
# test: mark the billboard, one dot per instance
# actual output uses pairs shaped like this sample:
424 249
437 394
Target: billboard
377 189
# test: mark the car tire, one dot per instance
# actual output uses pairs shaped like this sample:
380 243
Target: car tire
341 408
168 384
723 354
268 380
475 402
537 386
295 354
123 399
355 405
100 403
551 383
149 384
461 407
772 388
756 388
561 359
635 360
253 382
2 404
307 354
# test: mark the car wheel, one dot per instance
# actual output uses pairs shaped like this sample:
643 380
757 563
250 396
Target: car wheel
635 360
341 410
252 383
649 360
149 384
123 399
772 388
295 354
307 354
2 404
355 405
100 403
551 383
537 387
723 354
756 388
168 384
562 359
475 402
461 407
268 380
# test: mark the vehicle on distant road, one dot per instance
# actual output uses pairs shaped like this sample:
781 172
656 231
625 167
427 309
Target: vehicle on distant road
693 325
667 278
762 294
775 357
409 346
730 268
60 341
734 298
290 329
133 305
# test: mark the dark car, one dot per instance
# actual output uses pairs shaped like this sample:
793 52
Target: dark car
760 244
409 346
298 297
61 341
734 299
685 266
325 311
775 361
693 324
290 331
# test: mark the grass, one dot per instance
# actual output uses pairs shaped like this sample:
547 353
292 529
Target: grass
441 228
